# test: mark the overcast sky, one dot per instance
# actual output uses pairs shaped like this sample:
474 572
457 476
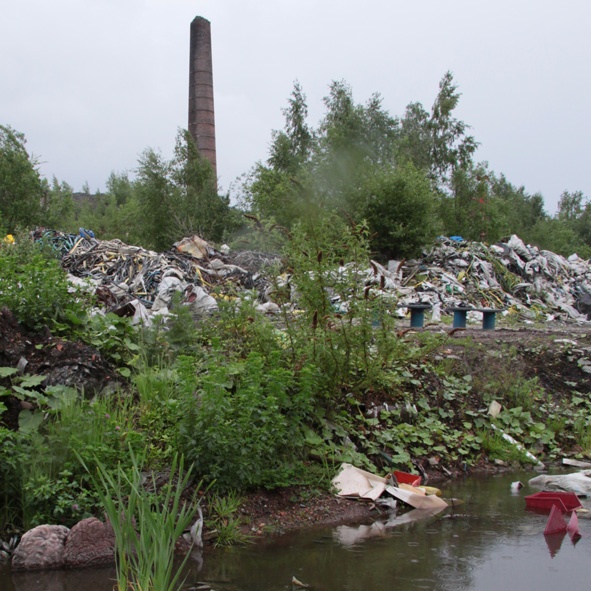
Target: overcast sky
93 83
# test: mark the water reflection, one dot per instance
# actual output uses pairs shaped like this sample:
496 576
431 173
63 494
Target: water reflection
101 579
490 542
349 535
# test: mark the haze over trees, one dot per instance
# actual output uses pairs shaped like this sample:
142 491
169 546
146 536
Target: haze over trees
410 178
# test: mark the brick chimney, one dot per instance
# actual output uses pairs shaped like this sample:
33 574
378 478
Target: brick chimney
201 112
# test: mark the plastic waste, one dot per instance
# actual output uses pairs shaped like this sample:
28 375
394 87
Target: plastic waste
556 523
577 482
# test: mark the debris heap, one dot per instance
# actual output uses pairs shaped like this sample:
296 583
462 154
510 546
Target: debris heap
131 280
536 284
511 276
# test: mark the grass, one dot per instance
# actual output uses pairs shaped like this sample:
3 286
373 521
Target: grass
497 448
225 521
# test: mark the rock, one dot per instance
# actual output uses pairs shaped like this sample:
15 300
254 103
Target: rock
90 543
41 548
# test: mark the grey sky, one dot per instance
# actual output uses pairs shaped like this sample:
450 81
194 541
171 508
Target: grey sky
92 83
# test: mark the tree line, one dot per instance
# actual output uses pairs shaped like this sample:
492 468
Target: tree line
409 179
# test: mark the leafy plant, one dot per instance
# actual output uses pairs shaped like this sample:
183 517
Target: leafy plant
241 424
26 388
33 286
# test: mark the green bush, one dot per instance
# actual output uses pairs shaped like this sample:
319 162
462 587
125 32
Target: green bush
241 428
341 327
42 480
33 285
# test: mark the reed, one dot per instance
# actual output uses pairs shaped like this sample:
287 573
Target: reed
146 525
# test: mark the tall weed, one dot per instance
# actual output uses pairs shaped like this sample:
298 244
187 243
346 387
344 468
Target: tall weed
343 327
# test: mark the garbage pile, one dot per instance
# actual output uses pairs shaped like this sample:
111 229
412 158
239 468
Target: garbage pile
512 276
133 281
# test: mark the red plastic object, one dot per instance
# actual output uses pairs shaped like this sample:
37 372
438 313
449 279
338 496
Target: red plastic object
556 523
565 501
573 526
406 478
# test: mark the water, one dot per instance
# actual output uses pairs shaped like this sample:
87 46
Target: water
488 543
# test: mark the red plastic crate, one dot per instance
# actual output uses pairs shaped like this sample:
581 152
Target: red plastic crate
565 501
406 478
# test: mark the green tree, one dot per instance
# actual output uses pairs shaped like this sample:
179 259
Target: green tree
179 197
401 210
351 139
437 141
474 211
57 206
574 210
119 185
154 191
21 189
571 206
555 235
292 147
196 206
414 140
272 194
452 148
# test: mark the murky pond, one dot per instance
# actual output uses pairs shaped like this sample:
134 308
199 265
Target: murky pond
488 543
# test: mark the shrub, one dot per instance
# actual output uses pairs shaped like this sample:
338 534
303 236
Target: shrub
33 285
241 425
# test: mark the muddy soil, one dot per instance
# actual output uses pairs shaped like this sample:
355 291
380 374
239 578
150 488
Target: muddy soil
68 363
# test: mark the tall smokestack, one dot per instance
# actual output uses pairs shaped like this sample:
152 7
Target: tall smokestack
201 112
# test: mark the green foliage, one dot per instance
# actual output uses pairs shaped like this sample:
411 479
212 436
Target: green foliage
55 488
497 448
574 212
115 337
20 183
44 481
437 142
23 387
58 206
179 198
161 392
10 484
225 520
273 193
243 422
451 148
34 286
350 137
291 148
334 328
559 237
365 164
114 214
400 209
